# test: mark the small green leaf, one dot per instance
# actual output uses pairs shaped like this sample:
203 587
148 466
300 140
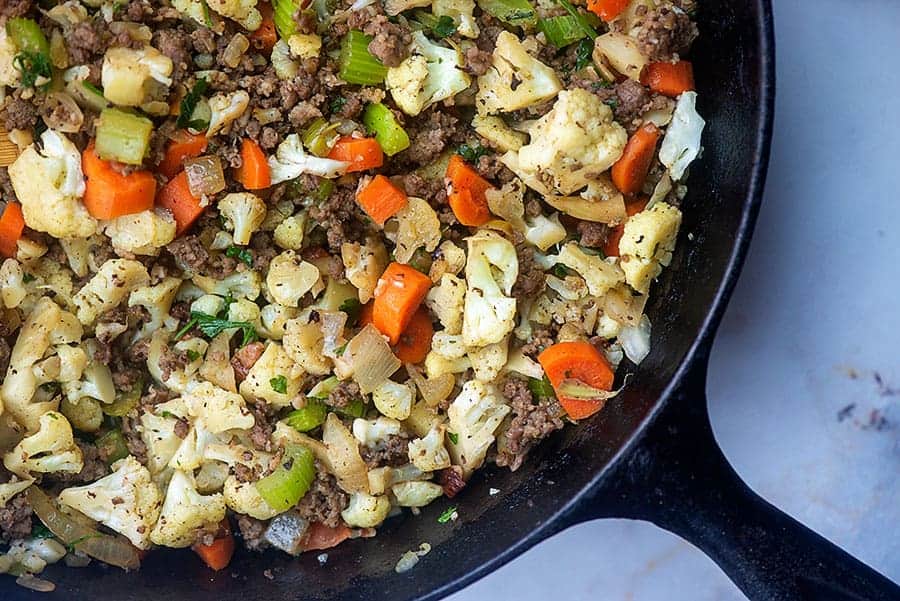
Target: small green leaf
446 515
337 105
189 103
242 254
28 278
339 351
454 437
444 27
192 355
541 389
33 66
40 531
279 384
583 53
471 153
352 308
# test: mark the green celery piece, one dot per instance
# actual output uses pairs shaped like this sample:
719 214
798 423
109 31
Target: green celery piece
87 95
124 402
112 446
26 34
355 408
357 65
284 487
309 417
123 137
379 120
320 136
513 12
562 30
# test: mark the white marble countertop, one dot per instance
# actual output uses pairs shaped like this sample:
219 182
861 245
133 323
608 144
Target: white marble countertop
804 384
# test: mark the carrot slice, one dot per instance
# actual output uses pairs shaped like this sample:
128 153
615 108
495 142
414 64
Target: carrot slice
415 341
320 537
381 199
361 153
254 173
577 361
611 248
400 291
217 555
183 145
109 194
607 9
669 79
176 197
630 171
12 224
266 36
467 193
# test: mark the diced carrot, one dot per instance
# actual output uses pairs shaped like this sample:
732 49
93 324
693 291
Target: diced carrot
183 145
381 199
12 224
109 194
415 341
185 207
607 9
630 171
400 291
266 36
361 153
467 193
254 173
579 361
217 555
669 79
320 537
611 248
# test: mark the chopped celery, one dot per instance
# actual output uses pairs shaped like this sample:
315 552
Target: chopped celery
284 487
357 65
320 136
124 402
390 135
112 446
321 390
309 417
87 95
283 15
562 30
514 12
582 20
123 137
26 34
541 389
355 408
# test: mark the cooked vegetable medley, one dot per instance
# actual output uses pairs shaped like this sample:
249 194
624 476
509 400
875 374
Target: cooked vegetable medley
272 273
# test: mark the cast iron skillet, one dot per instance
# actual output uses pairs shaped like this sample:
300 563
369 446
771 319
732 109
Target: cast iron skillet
649 455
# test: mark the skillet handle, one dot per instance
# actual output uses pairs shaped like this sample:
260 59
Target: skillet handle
678 479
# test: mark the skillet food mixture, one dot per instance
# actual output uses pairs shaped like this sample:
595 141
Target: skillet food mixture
273 274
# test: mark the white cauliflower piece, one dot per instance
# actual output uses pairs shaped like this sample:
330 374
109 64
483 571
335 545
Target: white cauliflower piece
185 512
291 161
515 79
157 430
9 74
303 342
157 300
437 365
95 382
131 76
195 9
363 265
141 233
647 244
49 184
10 489
51 449
448 258
365 510
372 432
498 133
599 274
446 301
274 377
305 45
431 73
126 501
429 453
474 416
544 232
682 142
244 213
242 11
190 453
218 409
12 284
462 13
241 284
273 319
225 109
116 279
290 277
572 144
289 233
393 399
490 311
416 493
449 345
418 226
488 361
242 497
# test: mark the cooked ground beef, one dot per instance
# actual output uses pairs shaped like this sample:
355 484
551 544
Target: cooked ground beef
15 8
252 531
264 250
15 519
171 360
4 355
94 467
490 167
133 439
391 41
541 338
665 32
6 188
156 395
245 358
20 114
263 426
343 394
531 277
137 352
531 422
340 217
478 61
592 234
83 41
177 45
429 134
632 100
392 452
324 501
451 480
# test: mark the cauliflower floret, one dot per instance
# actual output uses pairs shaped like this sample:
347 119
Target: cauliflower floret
95 382
488 361
682 142
647 244
141 233
12 284
544 232
393 399
244 213
157 300
225 109
49 184
598 274
489 312
157 430
273 319
131 76
51 449
372 432
366 511
303 342
437 365
498 133
395 7
462 13
242 11
185 512
305 45
571 145
289 233
417 227
241 284
449 345
218 409
363 265
431 73
10 489
515 80
126 501
429 453
449 258
416 493
446 300
290 277
116 279
242 497
194 9
9 74
291 161
474 416
274 377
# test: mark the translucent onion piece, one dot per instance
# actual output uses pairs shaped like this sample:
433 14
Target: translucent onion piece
368 360
624 306
235 50
610 211
635 341
621 52
216 367
343 455
205 176
62 113
433 390
332 331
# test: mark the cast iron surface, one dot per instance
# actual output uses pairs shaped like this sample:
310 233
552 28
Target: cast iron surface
649 455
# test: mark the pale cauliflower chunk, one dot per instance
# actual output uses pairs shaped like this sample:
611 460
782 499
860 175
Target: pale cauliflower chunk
244 213
141 233
599 274
515 79
242 497
291 161
572 144
365 510
157 300
49 184
490 312
303 342
10 489
417 227
12 284
449 258
289 233
393 399
488 361
474 416
185 512
437 365
130 76
126 501
290 277
647 244
462 13
363 265
226 107
157 430
218 409
498 133
191 8
429 453
51 449
271 371
431 73
446 301
242 11
682 142
241 284
416 493
305 45
116 279
372 432
9 74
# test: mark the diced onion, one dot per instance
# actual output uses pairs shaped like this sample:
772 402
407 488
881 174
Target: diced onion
205 176
368 360
61 113
343 456
235 50
621 52
433 390
611 211
635 341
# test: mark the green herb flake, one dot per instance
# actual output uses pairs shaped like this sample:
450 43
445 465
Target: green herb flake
337 105
241 254
168 415
352 308
28 278
444 27
447 515
279 384
339 351
192 355
454 437
212 326
583 53
41 531
471 152
33 66
189 103
560 271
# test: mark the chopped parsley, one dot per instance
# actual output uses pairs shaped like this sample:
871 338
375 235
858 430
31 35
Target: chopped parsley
241 254
352 308
612 103
471 152
279 384
168 415
447 515
560 270
34 66
189 104
444 27
28 278
583 53
212 326
192 355
41 531
453 436
337 105
339 351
